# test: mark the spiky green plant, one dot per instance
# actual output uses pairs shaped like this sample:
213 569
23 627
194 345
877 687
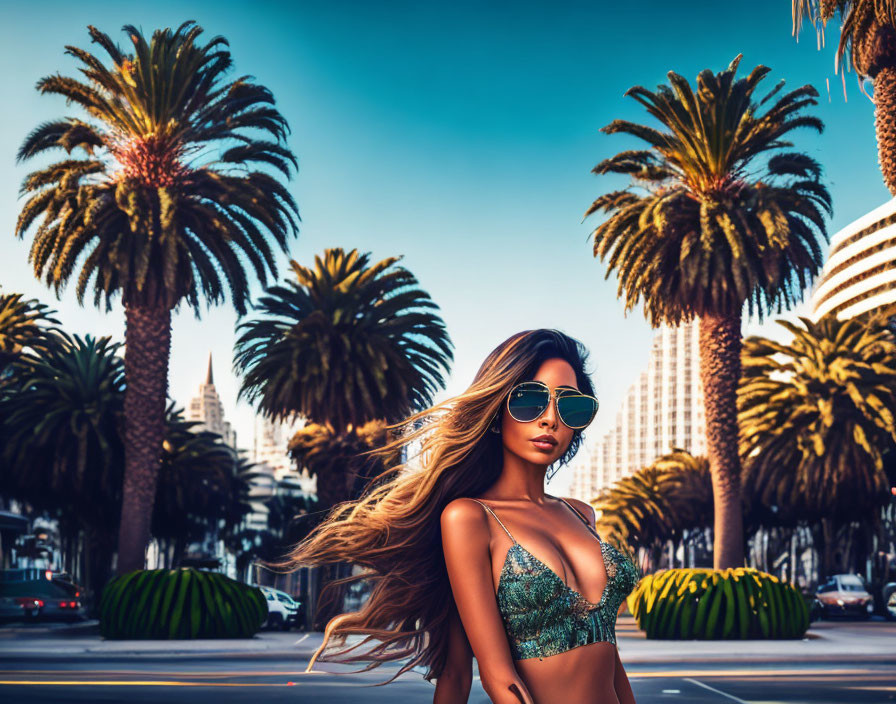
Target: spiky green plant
708 604
868 42
163 196
721 211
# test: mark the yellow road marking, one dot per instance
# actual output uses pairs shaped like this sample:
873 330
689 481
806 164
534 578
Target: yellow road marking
139 683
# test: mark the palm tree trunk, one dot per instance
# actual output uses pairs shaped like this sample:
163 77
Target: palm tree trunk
147 350
885 123
720 348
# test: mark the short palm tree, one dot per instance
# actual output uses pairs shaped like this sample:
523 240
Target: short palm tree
658 502
337 460
344 343
61 418
721 211
868 37
163 196
817 415
24 324
202 486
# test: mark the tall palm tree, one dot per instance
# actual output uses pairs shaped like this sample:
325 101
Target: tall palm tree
344 343
167 193
868 37
720 211
816 417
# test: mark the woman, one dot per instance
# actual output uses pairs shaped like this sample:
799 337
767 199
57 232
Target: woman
440 543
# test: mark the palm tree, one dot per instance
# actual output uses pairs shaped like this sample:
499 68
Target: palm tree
203 486
816 418
343 343
720 212
868 36
161 203
658 502
24 324
342 471
61 418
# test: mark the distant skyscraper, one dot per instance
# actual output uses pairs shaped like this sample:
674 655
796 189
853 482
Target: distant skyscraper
208 410
663 408
272 442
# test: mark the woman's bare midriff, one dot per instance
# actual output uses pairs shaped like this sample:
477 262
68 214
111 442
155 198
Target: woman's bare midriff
583 674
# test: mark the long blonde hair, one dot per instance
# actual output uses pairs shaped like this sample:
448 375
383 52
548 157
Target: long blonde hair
393 529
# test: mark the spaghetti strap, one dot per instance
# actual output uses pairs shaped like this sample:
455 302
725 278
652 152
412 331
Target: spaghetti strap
579 514
574 510
488 508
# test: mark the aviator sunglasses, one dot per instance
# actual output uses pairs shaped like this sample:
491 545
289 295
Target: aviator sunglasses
529 399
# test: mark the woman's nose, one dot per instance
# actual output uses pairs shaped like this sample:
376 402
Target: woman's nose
550 413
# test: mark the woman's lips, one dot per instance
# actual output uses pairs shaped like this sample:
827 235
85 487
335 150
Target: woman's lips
543 444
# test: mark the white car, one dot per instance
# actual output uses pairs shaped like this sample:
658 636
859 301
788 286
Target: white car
844 595
283 610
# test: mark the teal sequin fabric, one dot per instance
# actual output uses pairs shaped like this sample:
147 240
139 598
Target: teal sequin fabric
543 616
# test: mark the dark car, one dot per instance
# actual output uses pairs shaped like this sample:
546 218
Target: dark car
890 601
40 599
844 595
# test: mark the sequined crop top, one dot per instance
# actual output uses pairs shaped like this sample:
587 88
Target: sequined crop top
542 615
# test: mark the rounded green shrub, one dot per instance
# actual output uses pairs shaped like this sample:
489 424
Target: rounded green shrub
180 603
709 604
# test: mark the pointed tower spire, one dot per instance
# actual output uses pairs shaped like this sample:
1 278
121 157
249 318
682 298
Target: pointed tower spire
209 380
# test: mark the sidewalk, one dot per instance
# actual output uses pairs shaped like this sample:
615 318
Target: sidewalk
826 641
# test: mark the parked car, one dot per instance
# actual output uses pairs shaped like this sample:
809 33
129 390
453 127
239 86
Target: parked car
284 612
844 595
32 594
889 591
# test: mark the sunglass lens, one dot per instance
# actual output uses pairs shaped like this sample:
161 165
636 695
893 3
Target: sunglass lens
527 402
576 411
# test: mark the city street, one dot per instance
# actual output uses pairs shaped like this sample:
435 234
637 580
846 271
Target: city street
840 662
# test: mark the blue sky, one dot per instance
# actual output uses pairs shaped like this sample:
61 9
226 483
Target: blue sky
460 135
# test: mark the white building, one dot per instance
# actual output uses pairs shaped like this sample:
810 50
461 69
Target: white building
661 410
860 274
209 411
271 444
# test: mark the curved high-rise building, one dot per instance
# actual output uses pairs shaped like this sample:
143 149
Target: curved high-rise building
860 272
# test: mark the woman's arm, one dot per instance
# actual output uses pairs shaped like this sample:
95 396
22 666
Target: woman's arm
621 684
454 684
465 543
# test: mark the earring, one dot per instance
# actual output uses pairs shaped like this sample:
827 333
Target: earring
495 429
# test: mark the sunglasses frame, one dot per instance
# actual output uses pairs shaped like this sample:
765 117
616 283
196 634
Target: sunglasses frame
555 397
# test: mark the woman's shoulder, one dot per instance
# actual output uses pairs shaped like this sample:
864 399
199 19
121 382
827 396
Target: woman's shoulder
462 510
465 521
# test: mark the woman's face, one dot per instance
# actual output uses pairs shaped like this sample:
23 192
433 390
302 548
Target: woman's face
518 437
